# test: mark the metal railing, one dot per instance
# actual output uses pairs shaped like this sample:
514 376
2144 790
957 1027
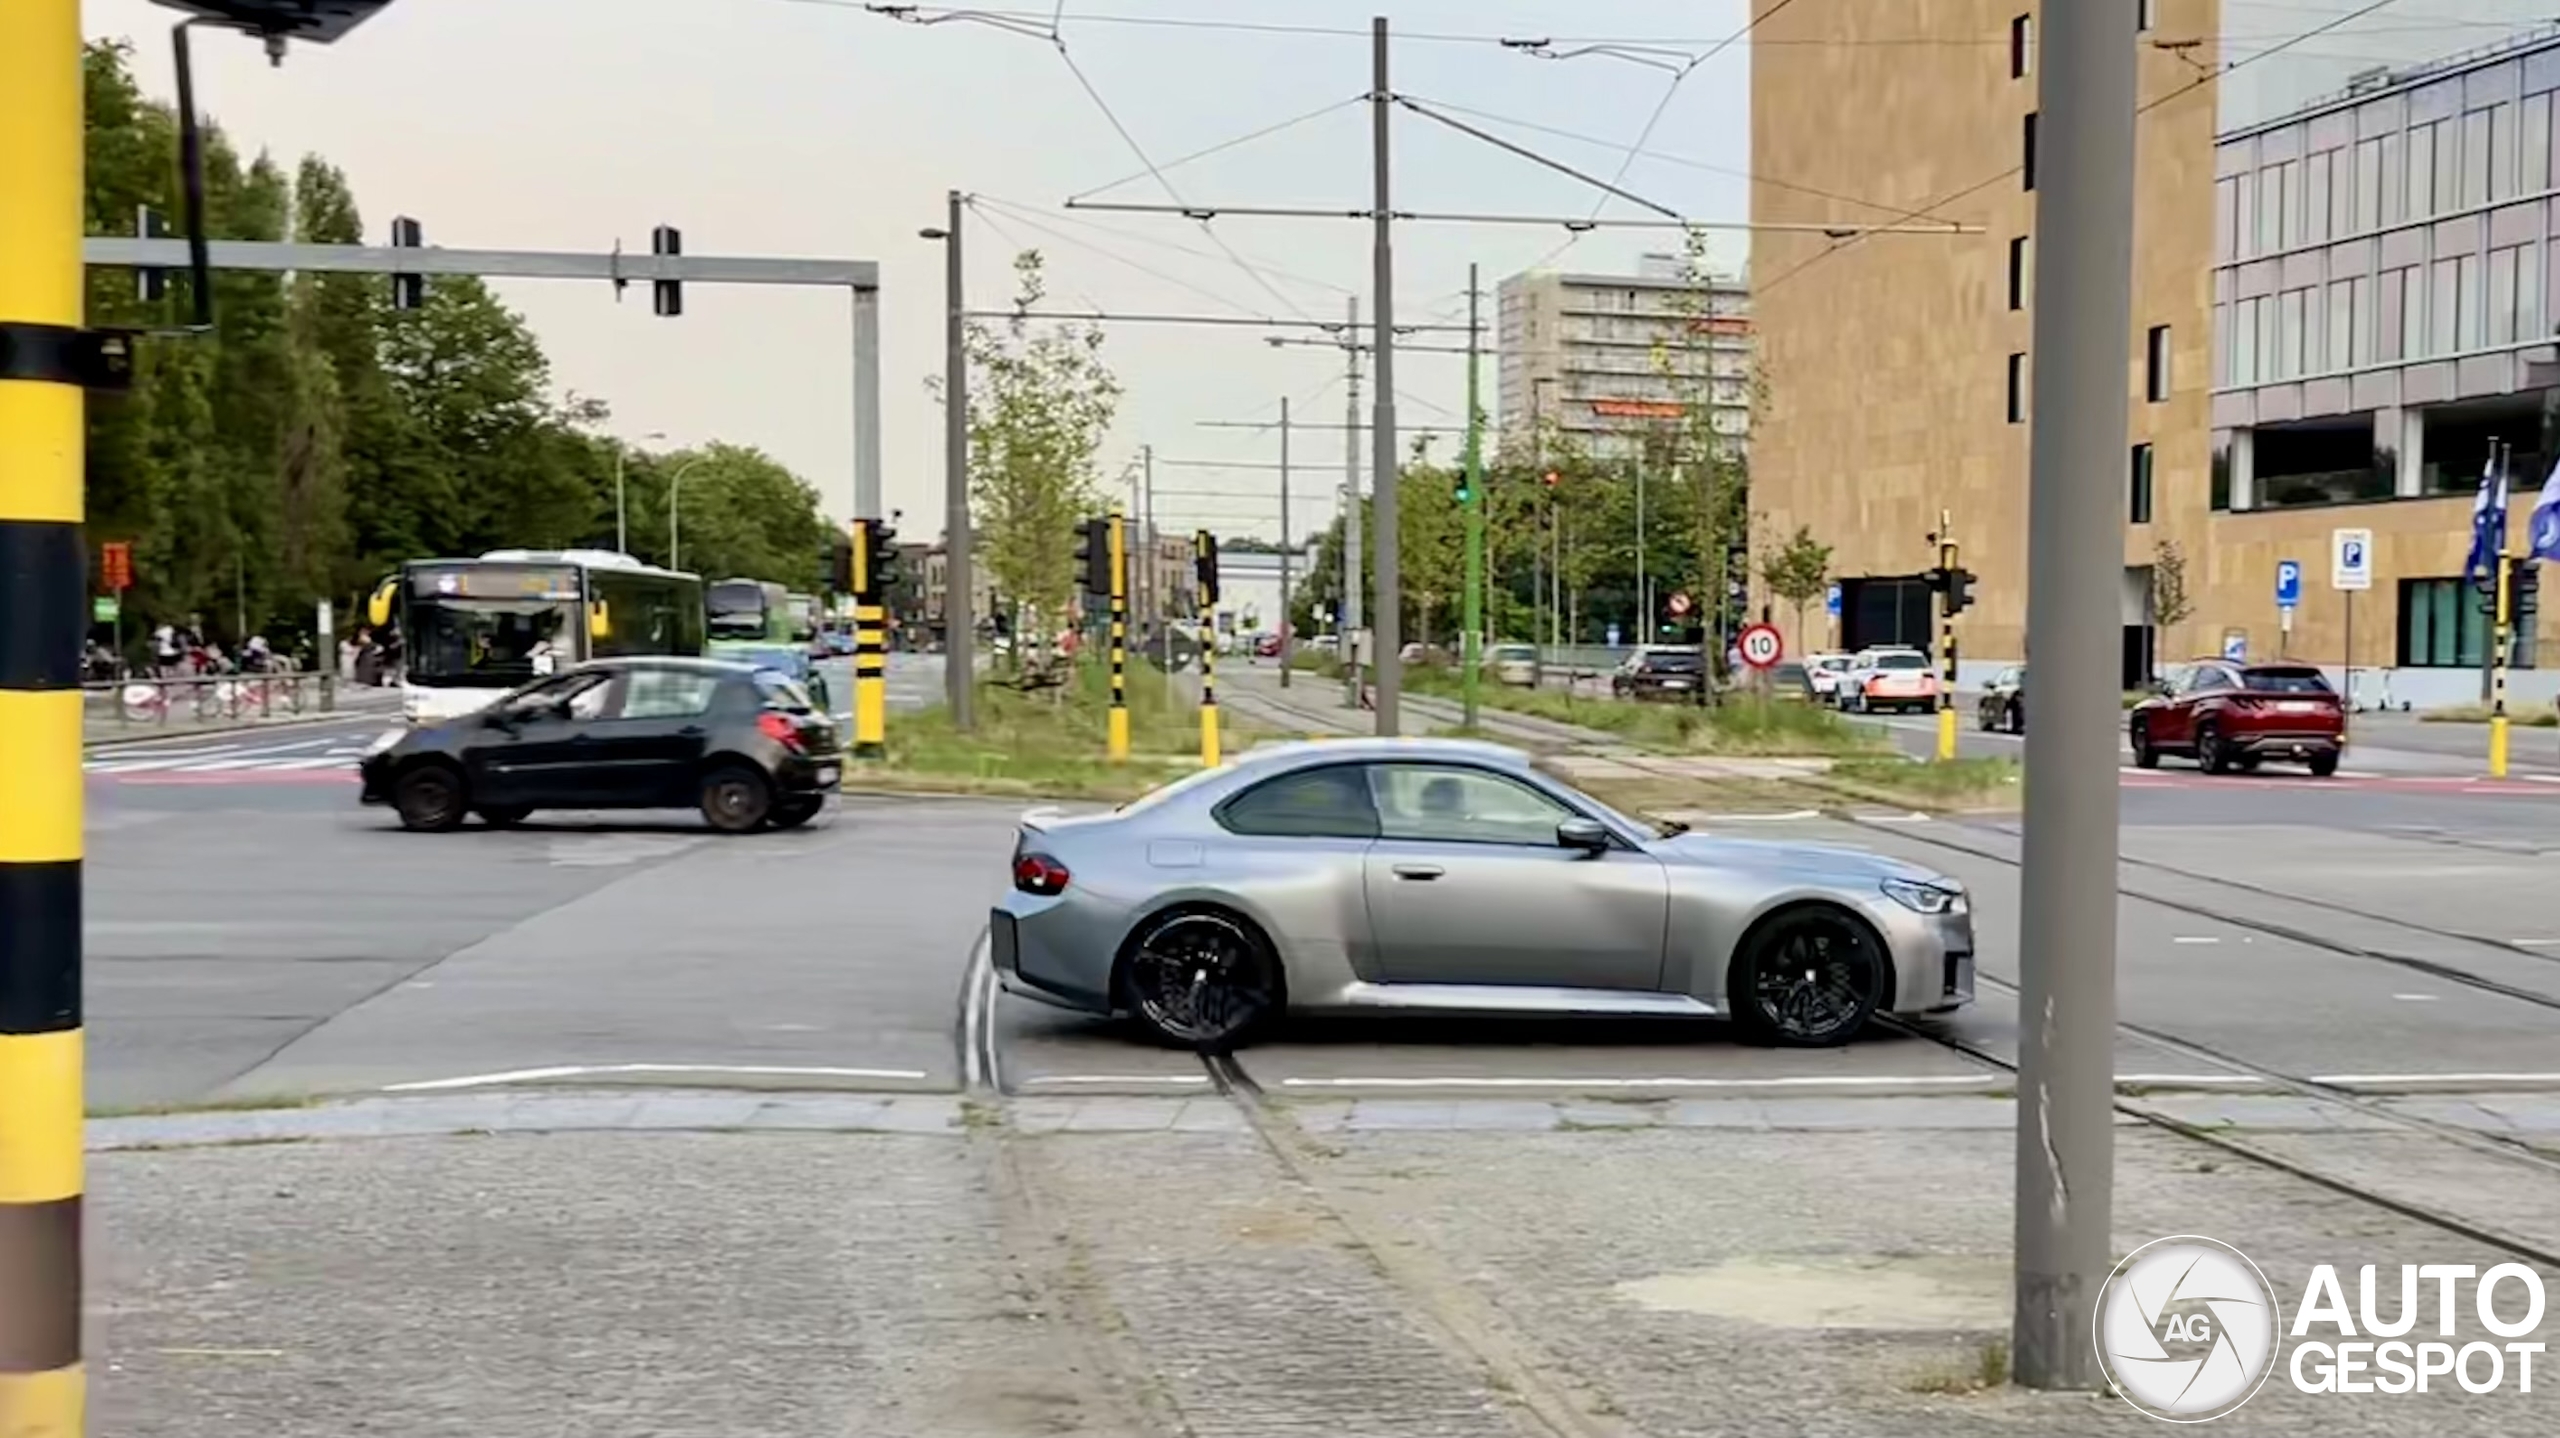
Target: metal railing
209 698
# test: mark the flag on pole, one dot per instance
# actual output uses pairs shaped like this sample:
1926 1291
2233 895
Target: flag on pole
2488 524
2544 533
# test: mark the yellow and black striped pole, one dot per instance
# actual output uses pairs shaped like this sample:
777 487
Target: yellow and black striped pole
1947 639
2505 628
1119 732
43 617
870 651
1207 588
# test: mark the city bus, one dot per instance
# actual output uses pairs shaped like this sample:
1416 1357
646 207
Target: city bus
748 610
470 630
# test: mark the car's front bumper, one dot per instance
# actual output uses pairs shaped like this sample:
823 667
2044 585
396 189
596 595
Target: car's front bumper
1932 958
2286 744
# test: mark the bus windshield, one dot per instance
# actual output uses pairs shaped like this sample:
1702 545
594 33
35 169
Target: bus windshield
743 609
490 642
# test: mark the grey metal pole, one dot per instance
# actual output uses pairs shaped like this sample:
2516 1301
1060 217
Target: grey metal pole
621 513
1284 542
1644 598
2075 556
1388 622
1354 571
867 503
959 583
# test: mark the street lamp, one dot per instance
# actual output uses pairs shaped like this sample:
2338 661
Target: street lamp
621 522
959 587
675 493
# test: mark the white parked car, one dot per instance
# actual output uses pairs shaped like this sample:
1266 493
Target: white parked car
1824 672
1882 679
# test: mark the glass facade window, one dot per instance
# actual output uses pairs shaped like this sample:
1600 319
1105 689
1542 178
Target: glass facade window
2470 311
2226 231
2503 164
2273 188
2244 214
2017 389
2027 152
2269 339
2289 321
2445 624
2336 347
2474 189
2289 227
2022 47
2138 486
2395 185
2535 160
2244 341
2018 273
2502 294
2367 188
2361 317
2316 200
2155 364
2421 141
2443 287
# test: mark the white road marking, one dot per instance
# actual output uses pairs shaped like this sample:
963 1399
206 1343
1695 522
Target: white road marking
2417 998
1795 1081
596 1070
325 761
1911 818
2197 939
2533 943
977 1003
166 761
1062 1080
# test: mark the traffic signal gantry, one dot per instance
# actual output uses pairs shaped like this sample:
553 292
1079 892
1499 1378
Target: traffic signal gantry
1204 574
1953 584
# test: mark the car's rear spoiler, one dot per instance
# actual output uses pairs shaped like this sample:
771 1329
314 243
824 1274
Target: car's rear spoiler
1035 821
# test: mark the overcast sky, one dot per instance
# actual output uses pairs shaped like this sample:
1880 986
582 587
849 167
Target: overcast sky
811 128
787 127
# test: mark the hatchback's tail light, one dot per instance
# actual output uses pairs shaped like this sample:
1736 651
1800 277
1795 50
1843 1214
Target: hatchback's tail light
780 729
1039 874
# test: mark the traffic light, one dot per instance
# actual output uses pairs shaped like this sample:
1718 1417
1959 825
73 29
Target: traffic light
1204 566
150 286
838 562
2524 585
1466 486
1093 555
1959 591
408 292
668 294
886 566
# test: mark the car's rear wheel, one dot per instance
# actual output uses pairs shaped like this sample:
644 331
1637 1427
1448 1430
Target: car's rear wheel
1808 977
429 799
2324 765
2017 718
505 816
2145 754
1200 979
792 811
2212 755
736 799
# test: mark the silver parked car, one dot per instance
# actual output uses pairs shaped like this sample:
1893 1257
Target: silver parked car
1448 876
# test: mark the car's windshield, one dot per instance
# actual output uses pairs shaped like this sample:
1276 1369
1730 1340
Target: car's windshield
1902 661
2285 681
1677 660
1511 653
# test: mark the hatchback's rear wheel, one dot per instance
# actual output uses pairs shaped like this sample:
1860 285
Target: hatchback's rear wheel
736 799
1200 979
1808 978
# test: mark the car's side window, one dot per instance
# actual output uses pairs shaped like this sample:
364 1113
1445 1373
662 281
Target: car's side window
1445 803
1327 803
595 701
669 694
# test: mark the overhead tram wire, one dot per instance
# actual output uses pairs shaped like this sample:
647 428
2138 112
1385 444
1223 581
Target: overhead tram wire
989 219
1762 287
1036 215
1240 140
1148 270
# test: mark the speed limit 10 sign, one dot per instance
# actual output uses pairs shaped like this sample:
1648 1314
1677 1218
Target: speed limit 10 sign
1761 647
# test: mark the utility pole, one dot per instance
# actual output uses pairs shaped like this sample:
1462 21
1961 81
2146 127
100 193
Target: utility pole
1153 581
1644 594
2075 555
959 582
1284 542
1470 645
41 439
1387 624
1354 573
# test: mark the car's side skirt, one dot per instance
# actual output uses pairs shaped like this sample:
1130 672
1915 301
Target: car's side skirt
1511 999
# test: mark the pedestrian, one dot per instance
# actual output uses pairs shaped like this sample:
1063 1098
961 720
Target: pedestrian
348 649
165 652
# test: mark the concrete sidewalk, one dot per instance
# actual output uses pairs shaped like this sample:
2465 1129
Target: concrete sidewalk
737 1265
102 722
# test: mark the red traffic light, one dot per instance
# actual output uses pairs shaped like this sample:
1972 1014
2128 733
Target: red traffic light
1551 479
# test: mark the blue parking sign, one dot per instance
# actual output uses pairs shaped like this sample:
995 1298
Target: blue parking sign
1831 601
2288 583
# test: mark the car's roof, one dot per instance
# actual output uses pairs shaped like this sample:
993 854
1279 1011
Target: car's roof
673 661
1367 749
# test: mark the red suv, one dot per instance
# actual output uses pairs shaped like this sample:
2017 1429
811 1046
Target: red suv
2234 716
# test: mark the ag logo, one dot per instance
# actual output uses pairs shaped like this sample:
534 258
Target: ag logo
2186 1329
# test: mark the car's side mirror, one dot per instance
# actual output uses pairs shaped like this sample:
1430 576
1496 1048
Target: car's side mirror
1588 835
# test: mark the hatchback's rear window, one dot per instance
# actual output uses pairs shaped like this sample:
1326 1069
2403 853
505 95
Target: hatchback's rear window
778 691
2284 681
1675 661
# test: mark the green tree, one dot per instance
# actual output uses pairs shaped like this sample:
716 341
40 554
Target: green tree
2170 604
741 514
1798 572
1040 401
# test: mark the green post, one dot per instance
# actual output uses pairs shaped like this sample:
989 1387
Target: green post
1471 646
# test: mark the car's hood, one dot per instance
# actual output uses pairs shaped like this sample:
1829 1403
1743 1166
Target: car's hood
1830 861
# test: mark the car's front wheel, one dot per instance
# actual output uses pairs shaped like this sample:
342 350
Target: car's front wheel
1200 979
429 799
2146 755
2212 755
736 799
1808 977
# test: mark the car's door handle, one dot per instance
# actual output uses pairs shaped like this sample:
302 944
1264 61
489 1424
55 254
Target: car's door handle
691 731
1421 872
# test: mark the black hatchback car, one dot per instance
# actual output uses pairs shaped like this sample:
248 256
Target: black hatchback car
743 744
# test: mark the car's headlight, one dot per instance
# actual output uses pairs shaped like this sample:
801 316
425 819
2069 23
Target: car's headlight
384 740
1922 898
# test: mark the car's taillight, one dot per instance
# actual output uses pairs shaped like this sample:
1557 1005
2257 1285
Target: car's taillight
779 729
1039 874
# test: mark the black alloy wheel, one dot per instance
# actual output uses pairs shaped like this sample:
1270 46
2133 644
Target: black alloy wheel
1809 979
1200 980
736 799
429 799
2145 755
2212 755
